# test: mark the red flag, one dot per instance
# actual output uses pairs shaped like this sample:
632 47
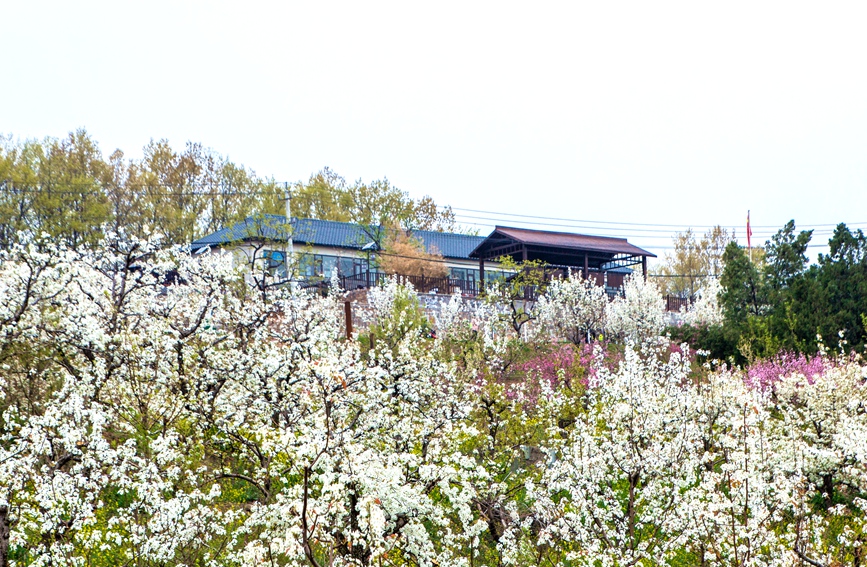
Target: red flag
749 231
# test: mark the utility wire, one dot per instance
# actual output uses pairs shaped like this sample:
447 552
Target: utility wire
633 223
622 232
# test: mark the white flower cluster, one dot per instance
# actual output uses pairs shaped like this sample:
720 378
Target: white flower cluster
578 310
705 310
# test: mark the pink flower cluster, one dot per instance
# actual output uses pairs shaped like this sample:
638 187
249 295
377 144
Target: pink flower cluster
763 374
573 361
548 365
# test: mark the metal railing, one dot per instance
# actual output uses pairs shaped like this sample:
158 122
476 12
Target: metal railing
676 302
422 284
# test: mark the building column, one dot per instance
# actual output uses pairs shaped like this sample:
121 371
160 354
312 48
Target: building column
481 276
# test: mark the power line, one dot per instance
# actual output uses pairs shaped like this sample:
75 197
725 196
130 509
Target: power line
627 232
518 215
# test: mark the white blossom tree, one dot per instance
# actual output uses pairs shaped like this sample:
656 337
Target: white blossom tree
639 313
741 496
573 308
616 492
705 310
820 434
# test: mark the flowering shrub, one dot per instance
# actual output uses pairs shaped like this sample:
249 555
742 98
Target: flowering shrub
568 365
766 373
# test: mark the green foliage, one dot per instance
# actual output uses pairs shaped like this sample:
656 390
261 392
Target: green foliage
324 196
786 305
692 261
404 318
52 187
743 292
786 256
841 280
67 190
528 280
376 206
719 341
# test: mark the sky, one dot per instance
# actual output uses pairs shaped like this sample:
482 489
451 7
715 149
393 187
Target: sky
633 119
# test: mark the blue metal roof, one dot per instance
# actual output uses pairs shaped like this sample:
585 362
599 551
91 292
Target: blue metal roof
317 232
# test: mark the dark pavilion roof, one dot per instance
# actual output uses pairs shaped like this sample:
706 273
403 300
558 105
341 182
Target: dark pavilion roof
317 232
559 248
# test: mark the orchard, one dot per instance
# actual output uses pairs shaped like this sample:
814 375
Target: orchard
155 409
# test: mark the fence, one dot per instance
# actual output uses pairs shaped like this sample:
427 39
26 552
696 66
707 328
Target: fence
422 284
674 303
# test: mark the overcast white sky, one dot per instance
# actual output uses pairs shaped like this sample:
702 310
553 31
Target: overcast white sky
665 113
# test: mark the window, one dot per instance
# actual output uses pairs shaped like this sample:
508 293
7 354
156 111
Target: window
345 266
275 262
352 266
310 265
492 276
320 265
328 265
465 274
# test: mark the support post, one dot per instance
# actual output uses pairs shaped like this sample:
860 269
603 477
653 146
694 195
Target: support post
644 267
586 267
347 311
481 290
289 252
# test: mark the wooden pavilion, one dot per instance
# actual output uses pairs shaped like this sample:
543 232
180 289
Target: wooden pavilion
594 256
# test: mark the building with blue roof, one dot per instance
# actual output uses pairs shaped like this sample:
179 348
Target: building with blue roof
323 246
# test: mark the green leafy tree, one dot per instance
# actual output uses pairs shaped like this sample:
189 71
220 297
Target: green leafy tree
842 281
786 289
692 260
785 304
65 189
376 206
194 192
518 291
743 289
786 256
324 196
53 188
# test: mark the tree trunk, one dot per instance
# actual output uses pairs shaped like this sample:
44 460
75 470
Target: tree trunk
4 536
828 489
630 510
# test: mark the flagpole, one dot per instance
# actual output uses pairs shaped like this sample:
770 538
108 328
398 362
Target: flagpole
749 234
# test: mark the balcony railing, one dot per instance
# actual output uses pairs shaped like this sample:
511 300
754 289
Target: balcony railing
422 284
